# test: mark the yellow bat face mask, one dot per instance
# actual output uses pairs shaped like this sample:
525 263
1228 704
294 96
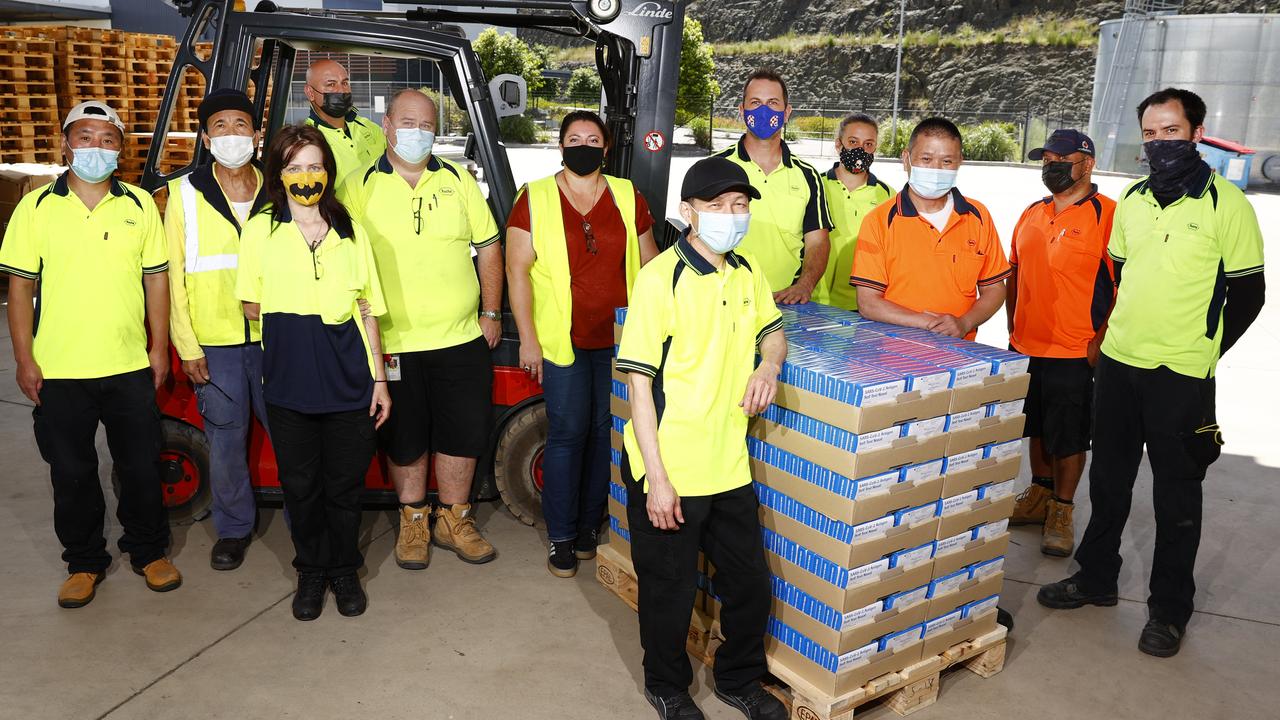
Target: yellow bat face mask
305 188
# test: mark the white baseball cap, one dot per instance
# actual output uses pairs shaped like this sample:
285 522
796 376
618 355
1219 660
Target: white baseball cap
93 110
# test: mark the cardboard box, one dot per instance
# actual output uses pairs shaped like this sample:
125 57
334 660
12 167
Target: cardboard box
906 406
620 538
983 511
844 554
838 507
989 430
967 628
902 452
971 553
842 640
987 470
843 681
618 511
843 599
967 592
992 389
619 407
617 334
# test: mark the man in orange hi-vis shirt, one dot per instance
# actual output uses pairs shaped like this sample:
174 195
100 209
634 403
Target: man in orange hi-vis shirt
930 258
1060 296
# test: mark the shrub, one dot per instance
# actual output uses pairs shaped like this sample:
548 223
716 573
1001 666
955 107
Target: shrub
814 125
701 130
519 129
890 146
584 83
991 141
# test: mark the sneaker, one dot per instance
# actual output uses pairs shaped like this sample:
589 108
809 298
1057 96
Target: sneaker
1160 639
1067 595
1032 506
674 707
456 530
755 703
585 546
562 561
1058 538
161 575
78 589
413 545
308 599
348 595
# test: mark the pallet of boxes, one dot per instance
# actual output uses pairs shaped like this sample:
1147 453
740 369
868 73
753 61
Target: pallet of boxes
885 472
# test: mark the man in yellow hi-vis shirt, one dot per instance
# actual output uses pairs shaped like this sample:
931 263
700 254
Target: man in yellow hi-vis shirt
220 350
355 141
96 247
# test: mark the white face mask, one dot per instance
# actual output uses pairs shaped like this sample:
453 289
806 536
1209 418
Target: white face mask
93 164
931 183
413 145
722 232
232 151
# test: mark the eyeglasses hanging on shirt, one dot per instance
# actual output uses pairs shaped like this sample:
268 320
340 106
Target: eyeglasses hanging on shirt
415 205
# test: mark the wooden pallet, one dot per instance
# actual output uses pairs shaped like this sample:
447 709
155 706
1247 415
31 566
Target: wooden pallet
616 573
905 691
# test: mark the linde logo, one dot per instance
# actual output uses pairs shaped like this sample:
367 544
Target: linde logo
651 10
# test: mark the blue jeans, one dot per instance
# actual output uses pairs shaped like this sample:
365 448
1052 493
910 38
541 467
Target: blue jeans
235 388
575 464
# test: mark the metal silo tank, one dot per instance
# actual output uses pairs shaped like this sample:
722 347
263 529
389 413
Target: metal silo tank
1232 61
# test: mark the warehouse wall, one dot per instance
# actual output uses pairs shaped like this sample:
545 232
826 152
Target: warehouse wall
147 16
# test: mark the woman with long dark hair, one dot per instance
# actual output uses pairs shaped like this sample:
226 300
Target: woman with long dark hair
574 243
305 270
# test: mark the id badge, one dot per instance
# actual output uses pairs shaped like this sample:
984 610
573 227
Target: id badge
392 363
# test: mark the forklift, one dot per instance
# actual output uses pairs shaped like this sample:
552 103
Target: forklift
637 52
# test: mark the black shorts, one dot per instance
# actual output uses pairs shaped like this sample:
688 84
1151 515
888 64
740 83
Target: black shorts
442 403
1059 405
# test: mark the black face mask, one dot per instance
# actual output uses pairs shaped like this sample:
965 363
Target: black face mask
856 160
1174 163
1057 176
336 104
582 160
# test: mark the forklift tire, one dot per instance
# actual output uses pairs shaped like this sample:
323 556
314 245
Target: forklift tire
517 464
184 472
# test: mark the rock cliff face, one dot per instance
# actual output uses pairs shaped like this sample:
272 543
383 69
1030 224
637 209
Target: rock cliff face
729 20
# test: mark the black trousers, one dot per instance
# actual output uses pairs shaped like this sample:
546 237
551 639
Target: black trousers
323 459
726 527
66 421
1160 409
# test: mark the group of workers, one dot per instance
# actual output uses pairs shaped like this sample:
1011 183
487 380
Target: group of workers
348 290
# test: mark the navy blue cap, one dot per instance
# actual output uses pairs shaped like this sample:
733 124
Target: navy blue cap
1064 142
714 175
225 99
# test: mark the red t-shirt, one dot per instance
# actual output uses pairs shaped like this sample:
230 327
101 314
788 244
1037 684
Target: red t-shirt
598 282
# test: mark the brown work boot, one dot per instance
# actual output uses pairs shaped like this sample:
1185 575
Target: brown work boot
456 531
1059 532
77 590
1032 506
161 575
413 547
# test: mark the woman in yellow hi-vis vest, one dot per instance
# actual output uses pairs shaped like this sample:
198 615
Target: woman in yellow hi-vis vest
574 243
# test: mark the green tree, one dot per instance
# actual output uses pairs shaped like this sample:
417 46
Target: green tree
584 83
505 53
698 84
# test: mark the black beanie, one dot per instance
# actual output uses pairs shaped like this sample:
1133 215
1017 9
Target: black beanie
225 99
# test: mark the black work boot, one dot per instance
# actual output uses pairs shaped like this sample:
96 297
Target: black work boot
1068 595
308 600
674 707
1160 639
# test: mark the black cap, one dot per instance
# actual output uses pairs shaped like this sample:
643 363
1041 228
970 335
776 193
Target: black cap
712 176
1064 142
225 99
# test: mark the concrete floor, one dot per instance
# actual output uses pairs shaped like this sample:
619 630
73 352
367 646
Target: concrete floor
508 640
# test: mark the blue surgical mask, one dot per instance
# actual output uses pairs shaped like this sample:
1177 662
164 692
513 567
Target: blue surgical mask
931 183
414 145
93 164
722 232
764 122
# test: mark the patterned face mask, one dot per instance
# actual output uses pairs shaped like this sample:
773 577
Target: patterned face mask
306 188
856 160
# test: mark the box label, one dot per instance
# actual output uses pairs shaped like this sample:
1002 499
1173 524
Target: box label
907 559
1005 409
907 598
985 570
877 439
979 607
972 375
997 491
867 573
953 544
874 529
957 504
854 658
900 640
948 584
923 472
965 420
858 618
875 485
1001 451
915 515
930 383
942 624
963 461
925 429
991 530
881 394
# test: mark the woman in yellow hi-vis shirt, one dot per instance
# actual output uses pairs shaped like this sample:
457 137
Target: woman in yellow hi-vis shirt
305 269
574 243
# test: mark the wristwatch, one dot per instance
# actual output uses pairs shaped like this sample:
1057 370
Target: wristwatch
491 314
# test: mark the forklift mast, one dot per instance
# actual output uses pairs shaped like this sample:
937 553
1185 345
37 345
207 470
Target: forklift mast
637 46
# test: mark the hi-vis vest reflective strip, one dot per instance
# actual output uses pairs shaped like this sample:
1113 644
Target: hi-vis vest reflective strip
552 294
195 262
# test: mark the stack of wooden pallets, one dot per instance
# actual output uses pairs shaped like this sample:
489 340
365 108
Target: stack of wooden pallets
29 129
